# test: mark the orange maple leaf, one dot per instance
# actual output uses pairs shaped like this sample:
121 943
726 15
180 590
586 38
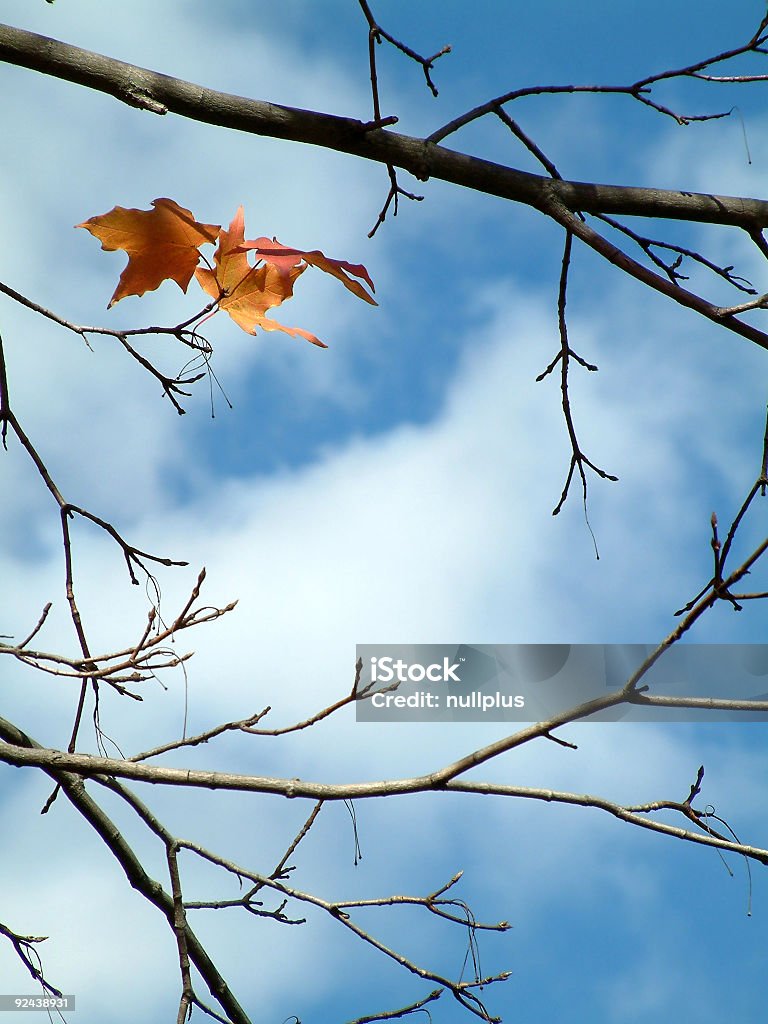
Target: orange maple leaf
161 244
246 292
285 258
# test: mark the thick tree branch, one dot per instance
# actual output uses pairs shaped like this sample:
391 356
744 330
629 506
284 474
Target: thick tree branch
105 828
560 212
88 765
162 94
57 765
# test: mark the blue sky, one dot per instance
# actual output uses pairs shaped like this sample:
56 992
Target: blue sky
396 488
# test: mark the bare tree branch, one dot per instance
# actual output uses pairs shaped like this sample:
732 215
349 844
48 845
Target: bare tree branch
422 157
105 828
149 89
639 90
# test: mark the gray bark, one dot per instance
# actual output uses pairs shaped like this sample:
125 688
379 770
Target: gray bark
162 94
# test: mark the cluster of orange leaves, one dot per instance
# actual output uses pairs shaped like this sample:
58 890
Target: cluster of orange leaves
164 243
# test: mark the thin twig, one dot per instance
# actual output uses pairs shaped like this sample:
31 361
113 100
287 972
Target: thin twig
638 90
